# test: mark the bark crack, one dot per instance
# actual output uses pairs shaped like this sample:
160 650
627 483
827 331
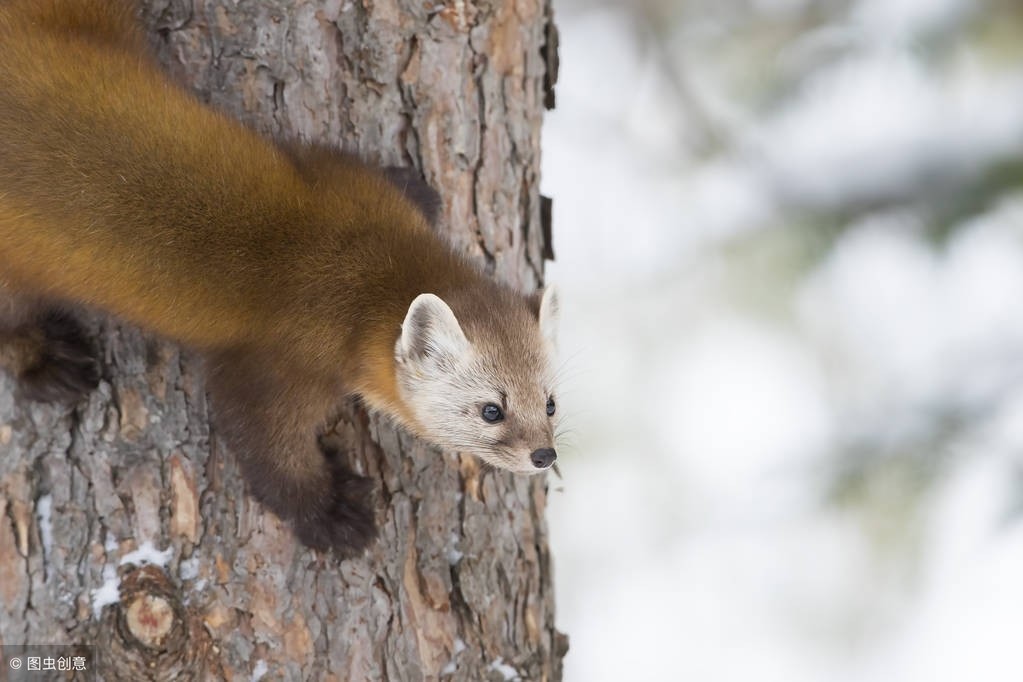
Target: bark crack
479 69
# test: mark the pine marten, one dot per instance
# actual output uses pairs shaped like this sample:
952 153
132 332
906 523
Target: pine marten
301 275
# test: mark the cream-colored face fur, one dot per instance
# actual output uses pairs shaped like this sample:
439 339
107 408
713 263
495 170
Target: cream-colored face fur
447 375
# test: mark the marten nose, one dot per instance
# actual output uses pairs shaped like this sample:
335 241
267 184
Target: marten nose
543 458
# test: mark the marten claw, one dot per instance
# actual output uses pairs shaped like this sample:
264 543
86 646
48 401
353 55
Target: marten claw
346 523
66 369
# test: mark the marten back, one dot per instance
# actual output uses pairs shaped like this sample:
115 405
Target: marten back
103 159
111 23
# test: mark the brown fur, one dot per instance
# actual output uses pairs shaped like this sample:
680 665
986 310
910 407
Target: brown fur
290 270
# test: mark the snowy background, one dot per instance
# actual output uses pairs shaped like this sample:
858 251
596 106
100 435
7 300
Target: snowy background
790 251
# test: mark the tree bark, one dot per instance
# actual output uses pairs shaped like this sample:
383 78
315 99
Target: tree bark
458 585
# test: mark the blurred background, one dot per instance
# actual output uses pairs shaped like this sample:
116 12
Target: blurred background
789 240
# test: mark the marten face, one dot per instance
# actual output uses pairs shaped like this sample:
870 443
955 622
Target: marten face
482 384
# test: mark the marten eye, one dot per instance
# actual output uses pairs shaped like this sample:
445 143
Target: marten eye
550 407
492 413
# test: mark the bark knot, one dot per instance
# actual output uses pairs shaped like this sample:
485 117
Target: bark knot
150 616
150 619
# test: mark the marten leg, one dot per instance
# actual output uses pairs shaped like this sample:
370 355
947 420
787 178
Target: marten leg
270 419
45 349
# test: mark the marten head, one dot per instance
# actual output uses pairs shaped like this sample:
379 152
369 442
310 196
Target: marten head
480 381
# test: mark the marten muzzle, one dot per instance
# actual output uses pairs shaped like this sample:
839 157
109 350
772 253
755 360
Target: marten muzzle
543 458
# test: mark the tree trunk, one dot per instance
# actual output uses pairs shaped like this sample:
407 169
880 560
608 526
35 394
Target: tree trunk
458 585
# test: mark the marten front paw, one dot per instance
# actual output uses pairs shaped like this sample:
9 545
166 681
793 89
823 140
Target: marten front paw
64 367
345 521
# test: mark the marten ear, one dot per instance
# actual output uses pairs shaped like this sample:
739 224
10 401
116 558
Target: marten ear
547 311
415 190
430 329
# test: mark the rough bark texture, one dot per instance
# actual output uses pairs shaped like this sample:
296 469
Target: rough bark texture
458 586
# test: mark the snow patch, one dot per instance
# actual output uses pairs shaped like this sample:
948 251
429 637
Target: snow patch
453 553
259 670
189 569
147 554
452 665
507 671
108 593
44 510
